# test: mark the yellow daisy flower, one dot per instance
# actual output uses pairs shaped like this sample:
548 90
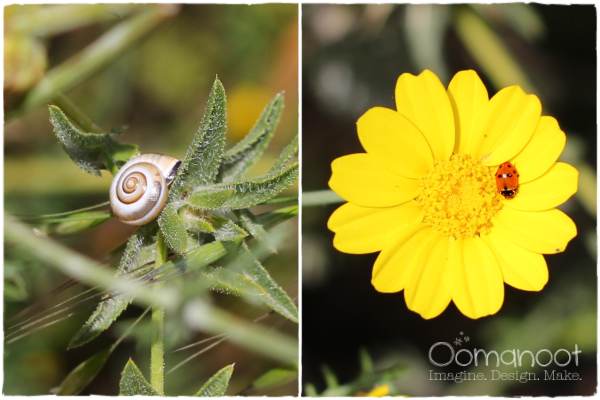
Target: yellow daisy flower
424 194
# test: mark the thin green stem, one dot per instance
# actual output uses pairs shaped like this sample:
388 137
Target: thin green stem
96 56
320 198
76 115
88 217
279 200
157 351
27 217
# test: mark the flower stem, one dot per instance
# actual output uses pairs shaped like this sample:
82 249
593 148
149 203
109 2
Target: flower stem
157 351
320 198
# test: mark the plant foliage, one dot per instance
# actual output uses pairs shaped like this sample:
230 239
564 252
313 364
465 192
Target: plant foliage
198 222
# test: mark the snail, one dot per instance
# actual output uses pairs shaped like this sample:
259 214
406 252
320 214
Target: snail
138 191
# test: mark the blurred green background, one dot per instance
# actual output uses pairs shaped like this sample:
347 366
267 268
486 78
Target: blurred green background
158 87
352 57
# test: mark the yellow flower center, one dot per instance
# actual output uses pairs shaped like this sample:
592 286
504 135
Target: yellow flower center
459 197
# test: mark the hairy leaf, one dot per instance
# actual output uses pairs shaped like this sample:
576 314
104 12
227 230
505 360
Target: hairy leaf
90 151
139 251
196 221
201 163
173 227
133 382
240 158
226 230
245 193
211 198
286 156
275 297
83 374
249 222
232 283
217 384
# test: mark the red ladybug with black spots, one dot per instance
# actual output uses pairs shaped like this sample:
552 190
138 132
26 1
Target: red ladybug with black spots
507 180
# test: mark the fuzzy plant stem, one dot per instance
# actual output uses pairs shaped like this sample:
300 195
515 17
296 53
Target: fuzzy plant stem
157 351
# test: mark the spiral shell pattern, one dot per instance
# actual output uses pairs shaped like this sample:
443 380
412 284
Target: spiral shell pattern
139 190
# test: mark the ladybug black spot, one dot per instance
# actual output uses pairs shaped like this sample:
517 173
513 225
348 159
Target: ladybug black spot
499 175
510 175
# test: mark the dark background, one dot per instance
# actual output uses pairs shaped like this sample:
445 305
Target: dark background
352 57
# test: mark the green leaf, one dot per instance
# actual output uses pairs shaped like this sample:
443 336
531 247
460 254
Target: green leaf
367 379
217 385
311 390
275 297
196 221
90 151
274 377
249 222
118 130
73 223
286 156
15 283
83 374
212 198
240 158
139 251
133 382
246 193
105 314
193 259
226 230
173 227
201 163
366 363
228 282
330 379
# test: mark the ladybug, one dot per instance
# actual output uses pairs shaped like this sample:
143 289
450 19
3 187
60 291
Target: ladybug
507 180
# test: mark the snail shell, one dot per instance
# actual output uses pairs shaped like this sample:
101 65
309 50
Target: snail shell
138 191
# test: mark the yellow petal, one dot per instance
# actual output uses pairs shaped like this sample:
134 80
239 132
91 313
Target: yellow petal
521 269
548 191
380 391
506 125
393 263
475 279
468 97
546 232
424 101
542 151
360 180
427 290
394 142
361 230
